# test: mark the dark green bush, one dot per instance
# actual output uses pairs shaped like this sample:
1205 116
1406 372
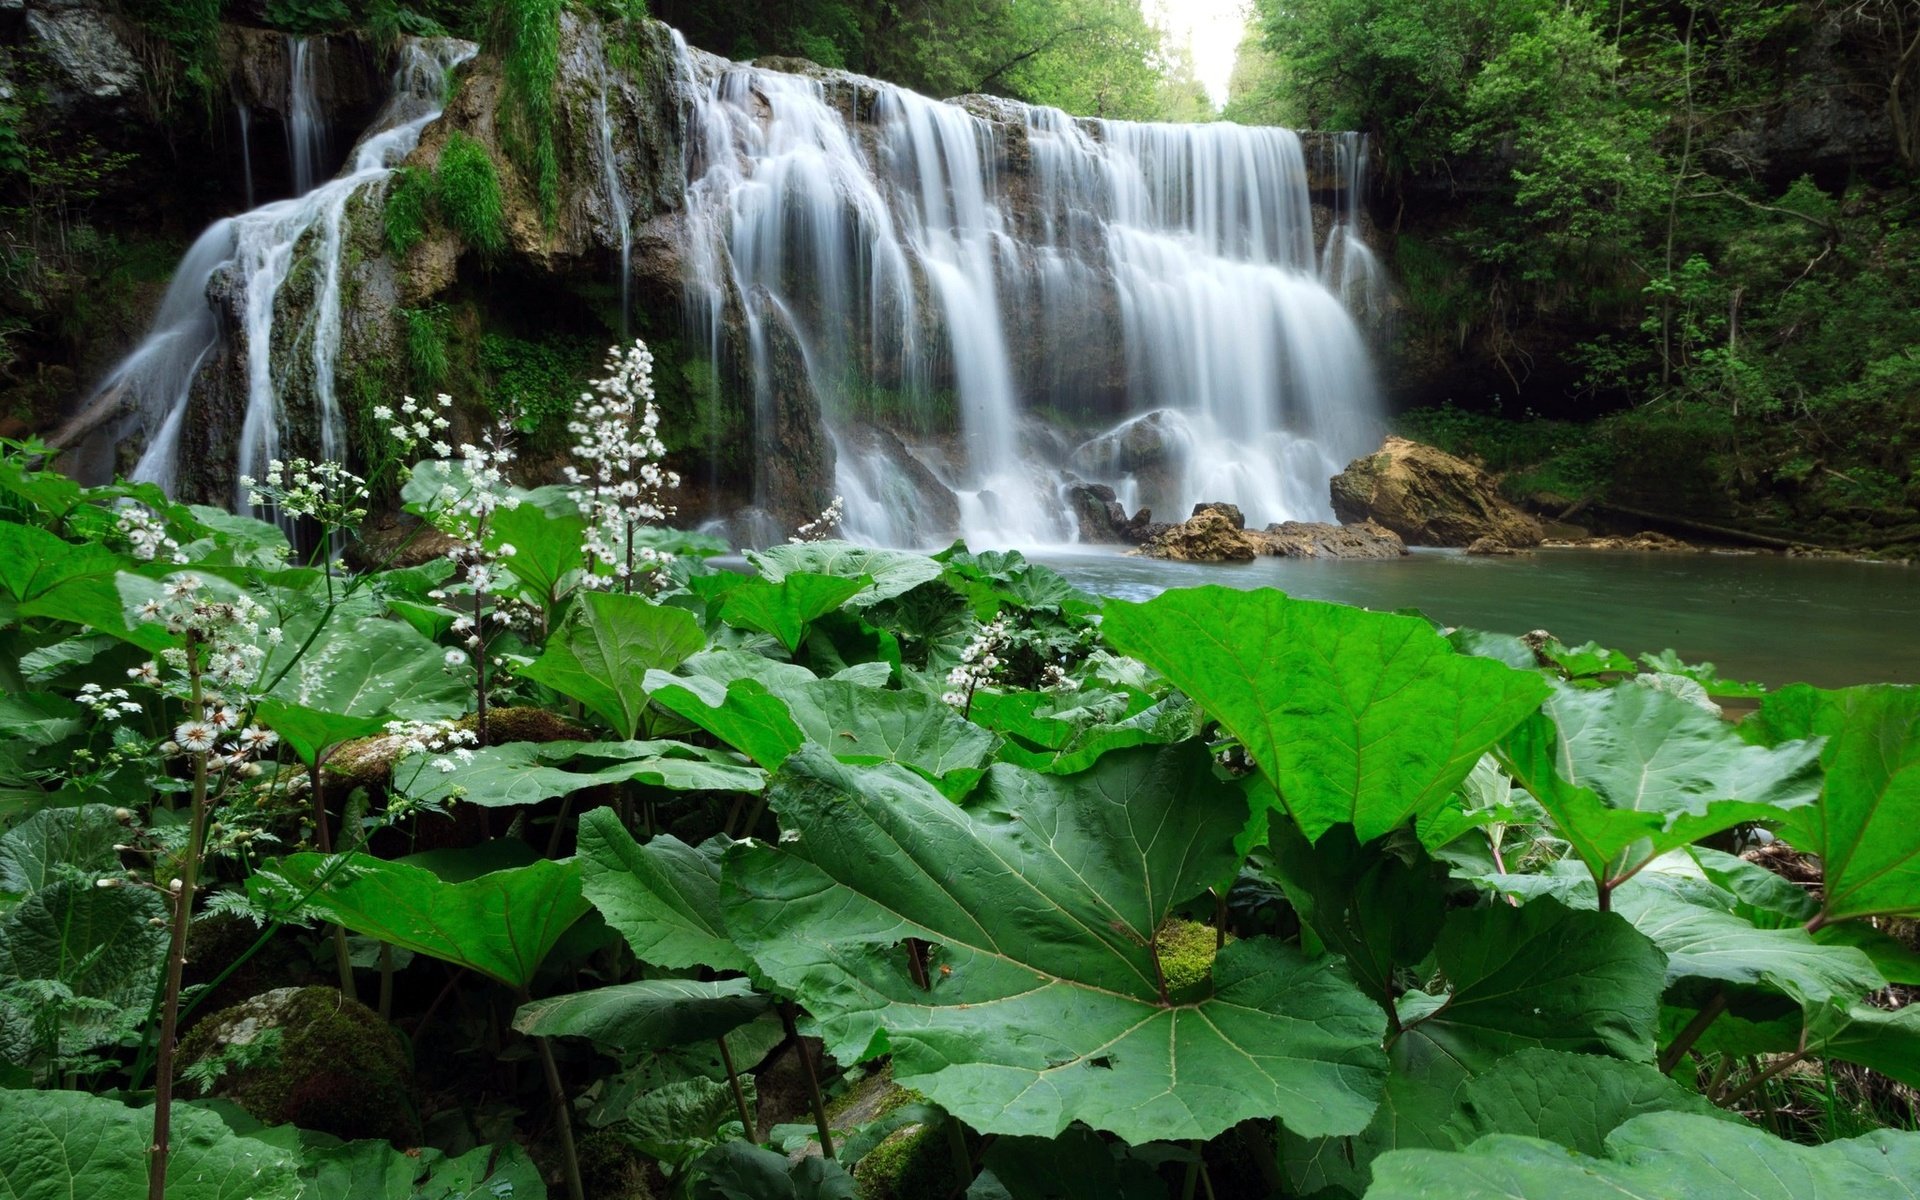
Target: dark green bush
468 188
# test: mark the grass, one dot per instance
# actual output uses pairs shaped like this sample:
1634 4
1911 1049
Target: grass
408 210
526 35
468 189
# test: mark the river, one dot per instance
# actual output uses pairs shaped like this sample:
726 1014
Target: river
1757 617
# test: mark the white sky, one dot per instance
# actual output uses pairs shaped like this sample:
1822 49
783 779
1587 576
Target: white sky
1212 28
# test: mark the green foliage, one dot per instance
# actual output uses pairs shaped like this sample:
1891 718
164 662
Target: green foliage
72 1144
535 383
467 189
601 656
408 210
526 36
308 16
189 30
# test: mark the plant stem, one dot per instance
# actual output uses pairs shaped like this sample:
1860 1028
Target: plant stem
323 838
739 1094
1190 1186
1746 1089
1709 1012
386 981
962 1158
177 954
813 1080
562 1110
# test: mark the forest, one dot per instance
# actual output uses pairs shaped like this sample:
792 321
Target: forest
463 737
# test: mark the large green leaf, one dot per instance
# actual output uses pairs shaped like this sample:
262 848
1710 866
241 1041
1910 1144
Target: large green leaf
786 608
1661 1156
62 1145
516 773
1542 974
884 573
59 843
743 1171
1630 772
1702 941
663 897
1355 717
1863 827
374 1170
357 676
34 562
501 924
602 654
854 722
97 942
1378 906
1573 1099
646 1014
1041 906
1077 1165
546 547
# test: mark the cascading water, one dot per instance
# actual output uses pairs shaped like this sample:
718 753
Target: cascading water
257 252
946 269
306 120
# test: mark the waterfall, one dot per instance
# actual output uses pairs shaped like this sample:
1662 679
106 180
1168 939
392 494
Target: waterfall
257 253
1027 300
246 148
616 199
306 121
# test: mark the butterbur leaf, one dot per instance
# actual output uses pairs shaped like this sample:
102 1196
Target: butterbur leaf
742 1171
1630 772
1573 1099
1546 975
645 1015
34 562
884 573
663 897
1661 1156
1863 827
602 654
742 713
59 843
357 676
501 924
515 773
97 942
63 1144
1077 1165
1355 717
785 609
1039 907
546 547
1587 661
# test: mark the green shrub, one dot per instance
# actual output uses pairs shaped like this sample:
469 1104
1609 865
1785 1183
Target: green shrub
534 382
468 188
409 199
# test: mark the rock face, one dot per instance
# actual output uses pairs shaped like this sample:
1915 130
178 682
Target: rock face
1429 497
1097 513
1218 533
312 1058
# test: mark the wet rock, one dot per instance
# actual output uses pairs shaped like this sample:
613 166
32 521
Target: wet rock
1646 541
1319 539
1230 511
1097 513
1429 497
91 53
1490 546
309 1057
1145 443
1208 536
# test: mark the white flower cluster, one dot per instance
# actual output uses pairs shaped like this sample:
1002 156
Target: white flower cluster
224 639
108 704
978 661
450 745
147 535
617 477
1054 678
416 425
325 491
822 527
463 513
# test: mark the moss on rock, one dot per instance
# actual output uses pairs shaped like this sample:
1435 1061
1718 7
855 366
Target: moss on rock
337 1067
1186 950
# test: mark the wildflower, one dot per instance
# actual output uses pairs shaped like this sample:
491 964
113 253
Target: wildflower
196 736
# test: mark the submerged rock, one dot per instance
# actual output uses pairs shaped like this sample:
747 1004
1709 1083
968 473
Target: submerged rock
1647 540
1318 539
1490 547
1429 497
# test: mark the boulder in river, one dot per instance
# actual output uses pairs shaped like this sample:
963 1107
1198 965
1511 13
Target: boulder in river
1217 533
1210 535
1097 513
1319 539
1429 497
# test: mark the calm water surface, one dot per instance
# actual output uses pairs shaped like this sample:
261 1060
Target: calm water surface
1761 617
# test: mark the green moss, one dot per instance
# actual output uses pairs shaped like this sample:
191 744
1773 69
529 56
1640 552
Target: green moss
189 33
534 383
408 211
526 35
467 186
911 1164
339 1069
1186 950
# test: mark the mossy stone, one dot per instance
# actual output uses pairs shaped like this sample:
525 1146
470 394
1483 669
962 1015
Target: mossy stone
913 1163
338 1069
